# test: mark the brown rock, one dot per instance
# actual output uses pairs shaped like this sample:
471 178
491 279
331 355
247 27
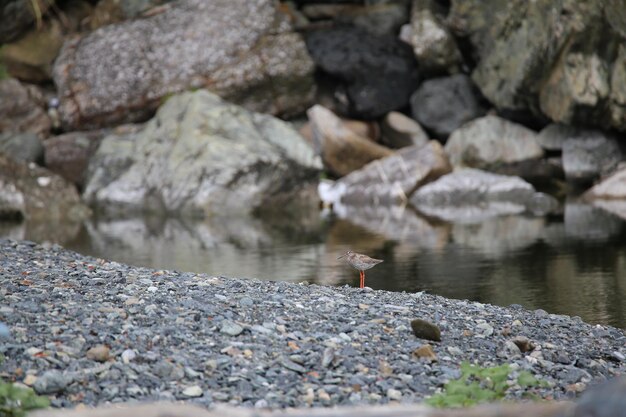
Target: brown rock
342 150
99 353
426 330
68 155
21 109
523 343
425 352
399 131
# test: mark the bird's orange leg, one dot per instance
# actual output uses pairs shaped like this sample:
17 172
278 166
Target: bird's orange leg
362 276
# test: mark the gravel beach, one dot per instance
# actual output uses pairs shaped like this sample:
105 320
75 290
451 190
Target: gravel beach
89 331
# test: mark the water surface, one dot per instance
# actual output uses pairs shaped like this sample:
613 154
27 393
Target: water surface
571 264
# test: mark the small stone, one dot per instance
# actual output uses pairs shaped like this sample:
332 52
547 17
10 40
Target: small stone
5 333
193 391
246 302
328 357
128 355
523 343
29 380
618 356
231 328
363 306
99 353
484 329
454 351
262 403
509 350
292 366
425 352
323 396
426 330
51 382
394 394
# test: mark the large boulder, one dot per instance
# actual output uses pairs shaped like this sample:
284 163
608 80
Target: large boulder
32 193
21 109
199 156
372 75
388 181
443 104
341 148
472 195
492 141
244 51
565 59
25 146
610 188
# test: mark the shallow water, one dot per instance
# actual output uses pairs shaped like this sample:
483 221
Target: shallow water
572 264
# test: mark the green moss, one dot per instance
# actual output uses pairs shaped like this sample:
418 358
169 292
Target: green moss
16 401
478 385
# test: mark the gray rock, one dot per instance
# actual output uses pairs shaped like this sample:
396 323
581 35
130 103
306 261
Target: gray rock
399 131
204 156
444 104
388 181
376 74
5 333
603 400
433 44
230 328
107 76
470 195
25 147
52 382
292 366
193 391
589 154
491 141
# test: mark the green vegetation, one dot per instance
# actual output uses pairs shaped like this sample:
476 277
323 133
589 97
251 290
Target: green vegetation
479 385
16 401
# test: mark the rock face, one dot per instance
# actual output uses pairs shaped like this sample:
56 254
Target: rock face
21 109
391 180
565 59
342 150
471 195
373 74
199 156
242 50
443 104
490 141
32 193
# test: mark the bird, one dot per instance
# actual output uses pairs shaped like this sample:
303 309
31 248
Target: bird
360 262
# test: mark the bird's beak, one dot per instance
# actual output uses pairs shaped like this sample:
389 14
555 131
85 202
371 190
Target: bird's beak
342 256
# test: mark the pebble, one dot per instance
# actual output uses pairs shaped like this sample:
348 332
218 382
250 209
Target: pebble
425 330
99 353
425 352
270 345
51 382
231 328
193 391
